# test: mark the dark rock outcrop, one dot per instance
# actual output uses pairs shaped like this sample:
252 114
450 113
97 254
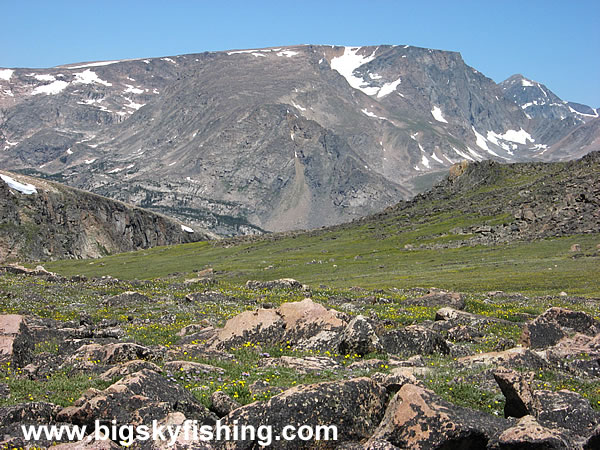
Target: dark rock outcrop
356 406
417 418
58 221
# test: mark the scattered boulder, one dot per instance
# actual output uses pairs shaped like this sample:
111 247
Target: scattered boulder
438 297
368 364
88 444
261 387
127 368
207 297
418 418
593 442
298 322
575 248
16 344
28 413
34 413
580 354
283 283
565 409
193 328
90 355
262 325
302 365
529 434
511 358
222 404
413 340
192 367
127 298
359 337
556 323
396 379
137 399
519 397
356 406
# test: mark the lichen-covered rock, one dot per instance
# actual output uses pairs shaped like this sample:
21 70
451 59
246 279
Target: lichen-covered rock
579 353
416 418
127 298
87 356
556 323
438 297
413 340
516 390
129 367
298 322
263 325
394 381
88 443
565 409
192 367
283 283
511 358
593 441
16 343
529 434
302 365
34 413
356 406
138 398
359 337
222 404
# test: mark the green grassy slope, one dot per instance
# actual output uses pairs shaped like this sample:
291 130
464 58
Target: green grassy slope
423 243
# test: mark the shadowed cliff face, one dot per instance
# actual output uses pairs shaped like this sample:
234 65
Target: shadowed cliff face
277 139
55 221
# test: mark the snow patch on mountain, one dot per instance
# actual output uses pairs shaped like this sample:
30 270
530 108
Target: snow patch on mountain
50 89
520 137
346 64
584 114
287 53
436 112
6 74
89 77
298 107
45 77
133 90
425 161
24 188
94 64
372 114
388 88
480 140
526 83
434 156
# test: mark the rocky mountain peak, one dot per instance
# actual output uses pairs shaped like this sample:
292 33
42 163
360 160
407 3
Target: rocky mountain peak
279 138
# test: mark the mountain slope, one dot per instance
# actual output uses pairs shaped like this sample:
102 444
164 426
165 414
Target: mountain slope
270 139
42 220
489 226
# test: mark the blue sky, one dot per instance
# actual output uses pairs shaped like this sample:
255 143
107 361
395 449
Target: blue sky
553 42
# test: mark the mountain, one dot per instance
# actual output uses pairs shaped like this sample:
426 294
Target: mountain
487 225
43 220
273 139
570 129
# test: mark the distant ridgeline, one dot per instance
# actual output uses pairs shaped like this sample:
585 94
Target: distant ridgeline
277 139
42 220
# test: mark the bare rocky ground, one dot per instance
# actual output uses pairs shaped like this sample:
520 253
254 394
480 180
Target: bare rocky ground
412 369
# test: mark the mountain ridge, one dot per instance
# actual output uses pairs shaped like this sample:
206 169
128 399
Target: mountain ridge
243 141
41 220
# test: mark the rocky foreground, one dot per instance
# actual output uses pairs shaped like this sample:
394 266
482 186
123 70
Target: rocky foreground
417 369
